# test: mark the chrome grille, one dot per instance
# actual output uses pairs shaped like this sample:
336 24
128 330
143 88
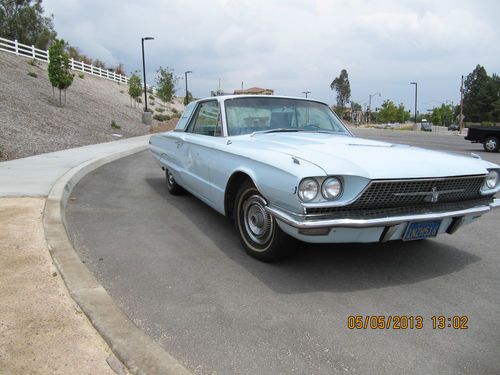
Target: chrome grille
382 194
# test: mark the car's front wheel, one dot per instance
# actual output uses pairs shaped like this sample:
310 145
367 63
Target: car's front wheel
491 144
172 186
259 233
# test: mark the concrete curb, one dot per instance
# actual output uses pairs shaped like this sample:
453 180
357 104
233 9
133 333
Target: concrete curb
139 353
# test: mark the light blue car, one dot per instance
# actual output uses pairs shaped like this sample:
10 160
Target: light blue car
287 169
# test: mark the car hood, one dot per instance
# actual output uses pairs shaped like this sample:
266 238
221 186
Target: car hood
345 155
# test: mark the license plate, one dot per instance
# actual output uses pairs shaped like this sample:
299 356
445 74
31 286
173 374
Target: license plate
421 229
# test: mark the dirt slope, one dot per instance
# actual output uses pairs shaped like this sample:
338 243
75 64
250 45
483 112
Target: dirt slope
31 123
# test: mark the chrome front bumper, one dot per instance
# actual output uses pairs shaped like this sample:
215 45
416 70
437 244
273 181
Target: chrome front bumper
299 222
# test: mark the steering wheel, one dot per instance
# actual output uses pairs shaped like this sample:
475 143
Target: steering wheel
311 127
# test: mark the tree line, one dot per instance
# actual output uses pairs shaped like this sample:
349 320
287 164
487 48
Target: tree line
481 102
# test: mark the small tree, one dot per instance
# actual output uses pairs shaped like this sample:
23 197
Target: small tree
343 88
60 75
165 84
388 112
134 88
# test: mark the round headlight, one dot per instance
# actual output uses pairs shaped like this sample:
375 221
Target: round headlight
491 180
308 189
331 188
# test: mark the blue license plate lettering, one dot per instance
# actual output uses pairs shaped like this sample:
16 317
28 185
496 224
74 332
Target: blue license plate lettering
421 229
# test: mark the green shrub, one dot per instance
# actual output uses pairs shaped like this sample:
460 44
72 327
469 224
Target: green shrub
176 115
81 75
161 118
32 74
114 125
151 97
487 123
174 111
161 110
33 62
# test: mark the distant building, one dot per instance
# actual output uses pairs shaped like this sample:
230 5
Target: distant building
254 91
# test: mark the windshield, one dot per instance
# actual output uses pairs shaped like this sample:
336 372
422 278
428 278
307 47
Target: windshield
247 115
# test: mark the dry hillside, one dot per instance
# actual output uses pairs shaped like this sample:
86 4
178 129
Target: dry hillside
32 123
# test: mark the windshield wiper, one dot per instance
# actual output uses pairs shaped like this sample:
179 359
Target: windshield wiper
277 130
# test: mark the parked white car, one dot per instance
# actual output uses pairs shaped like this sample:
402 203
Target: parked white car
287 168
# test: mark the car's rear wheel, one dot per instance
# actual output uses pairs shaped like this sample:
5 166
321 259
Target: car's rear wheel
491 144
258 231
172 186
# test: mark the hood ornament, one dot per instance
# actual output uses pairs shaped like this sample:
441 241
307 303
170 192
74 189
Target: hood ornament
434 195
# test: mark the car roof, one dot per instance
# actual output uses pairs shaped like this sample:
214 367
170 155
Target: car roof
222 98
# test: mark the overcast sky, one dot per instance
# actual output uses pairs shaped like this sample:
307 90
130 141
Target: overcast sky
294 45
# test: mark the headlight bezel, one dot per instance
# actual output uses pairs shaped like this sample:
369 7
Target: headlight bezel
325 193
320 196
300 191
487 188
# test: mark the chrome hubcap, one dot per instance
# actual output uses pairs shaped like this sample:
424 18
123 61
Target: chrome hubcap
491 144
258 223
170 178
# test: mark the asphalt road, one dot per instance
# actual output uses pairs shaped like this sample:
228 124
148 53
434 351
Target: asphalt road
176 268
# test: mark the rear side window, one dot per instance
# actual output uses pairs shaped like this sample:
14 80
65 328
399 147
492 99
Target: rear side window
183 121
207 119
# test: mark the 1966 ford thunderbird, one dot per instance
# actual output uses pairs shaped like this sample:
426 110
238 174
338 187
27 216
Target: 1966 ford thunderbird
287 168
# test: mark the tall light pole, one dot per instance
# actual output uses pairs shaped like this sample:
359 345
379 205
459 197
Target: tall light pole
306 92
186 79
461 120
144 72
416 95
370 105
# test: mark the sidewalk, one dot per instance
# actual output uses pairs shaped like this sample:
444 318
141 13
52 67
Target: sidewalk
42 330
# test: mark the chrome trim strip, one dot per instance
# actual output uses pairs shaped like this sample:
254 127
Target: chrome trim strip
377 222
418 193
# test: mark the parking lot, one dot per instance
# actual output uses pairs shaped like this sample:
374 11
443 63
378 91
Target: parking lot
177 269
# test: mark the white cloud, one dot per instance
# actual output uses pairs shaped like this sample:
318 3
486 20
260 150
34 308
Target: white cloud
294 45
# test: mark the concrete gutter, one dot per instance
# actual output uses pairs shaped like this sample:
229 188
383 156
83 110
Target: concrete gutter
140 353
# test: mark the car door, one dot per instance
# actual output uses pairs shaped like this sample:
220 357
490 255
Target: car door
201 142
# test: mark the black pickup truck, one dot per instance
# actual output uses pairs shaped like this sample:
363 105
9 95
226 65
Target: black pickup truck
489 136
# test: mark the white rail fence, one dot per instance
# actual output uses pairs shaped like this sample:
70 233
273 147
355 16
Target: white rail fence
19 49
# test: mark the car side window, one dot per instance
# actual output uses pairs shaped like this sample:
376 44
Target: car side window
207 119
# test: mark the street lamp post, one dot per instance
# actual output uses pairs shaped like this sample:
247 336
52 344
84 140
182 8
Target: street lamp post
186 79
416 95
370 105
306 92
144 72
461 120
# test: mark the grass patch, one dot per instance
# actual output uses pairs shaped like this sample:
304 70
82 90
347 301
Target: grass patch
114 125
161 118
151 97
33 62
81 75
32 74
161 110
